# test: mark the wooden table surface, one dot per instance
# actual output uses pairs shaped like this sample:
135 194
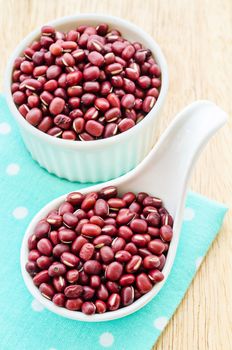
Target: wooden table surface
196 37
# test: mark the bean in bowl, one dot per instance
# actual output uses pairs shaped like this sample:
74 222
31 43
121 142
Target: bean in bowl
100 251
86 84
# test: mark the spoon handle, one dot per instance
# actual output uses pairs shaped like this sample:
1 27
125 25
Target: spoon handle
168 166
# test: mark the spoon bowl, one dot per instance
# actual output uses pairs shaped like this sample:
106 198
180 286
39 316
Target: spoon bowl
164 173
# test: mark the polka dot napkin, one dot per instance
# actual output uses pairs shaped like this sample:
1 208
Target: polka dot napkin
24 323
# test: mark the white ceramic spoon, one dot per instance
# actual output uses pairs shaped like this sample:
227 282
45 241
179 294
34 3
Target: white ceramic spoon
164 173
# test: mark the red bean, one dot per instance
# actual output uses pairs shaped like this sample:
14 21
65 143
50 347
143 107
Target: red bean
41 277
91 73
102 292
112 114
59 299
41 229
166 219
114 271
70 220
69 259
118 244
166 233
127 295
134 264
92 267
127 280
66 235
100 306
151 261
114 68
74 291
34 116
88 293
86 251
113 302
128 101
43 262
143 283
60 249
131 248
156 246
94 128
155 276
34 255
57 269
102 240
148 103
107 254
125 232
89 201
114 100
96 58
72 276
90 230
138 225
88 308
122 256
110 230
44 246
75 198
31 267
65 207
96 220
126 124
101 208
95 281
74 304
46 290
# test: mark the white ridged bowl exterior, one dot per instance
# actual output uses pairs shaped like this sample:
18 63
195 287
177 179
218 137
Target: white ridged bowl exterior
99 160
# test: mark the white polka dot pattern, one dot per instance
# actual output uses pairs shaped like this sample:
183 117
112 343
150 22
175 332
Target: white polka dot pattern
20 213
106 339
160 323
12 169
5 128
189 214
36 306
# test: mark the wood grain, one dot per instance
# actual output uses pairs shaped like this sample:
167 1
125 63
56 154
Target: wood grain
196 37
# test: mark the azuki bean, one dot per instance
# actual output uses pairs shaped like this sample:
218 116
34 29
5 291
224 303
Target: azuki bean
102 292
127 295
74 304
88 308
155 276
166 233
69 259
44 246
143 283
113 302
59 299
72 276
92 267
41 277
114 271
151 261
47 290
100 306
107 254
74 291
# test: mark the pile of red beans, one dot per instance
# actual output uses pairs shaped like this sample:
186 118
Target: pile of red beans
89 83
100 251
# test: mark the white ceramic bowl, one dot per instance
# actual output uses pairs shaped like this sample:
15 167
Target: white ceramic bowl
99 160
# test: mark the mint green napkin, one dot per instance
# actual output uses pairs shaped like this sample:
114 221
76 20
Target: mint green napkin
24 323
